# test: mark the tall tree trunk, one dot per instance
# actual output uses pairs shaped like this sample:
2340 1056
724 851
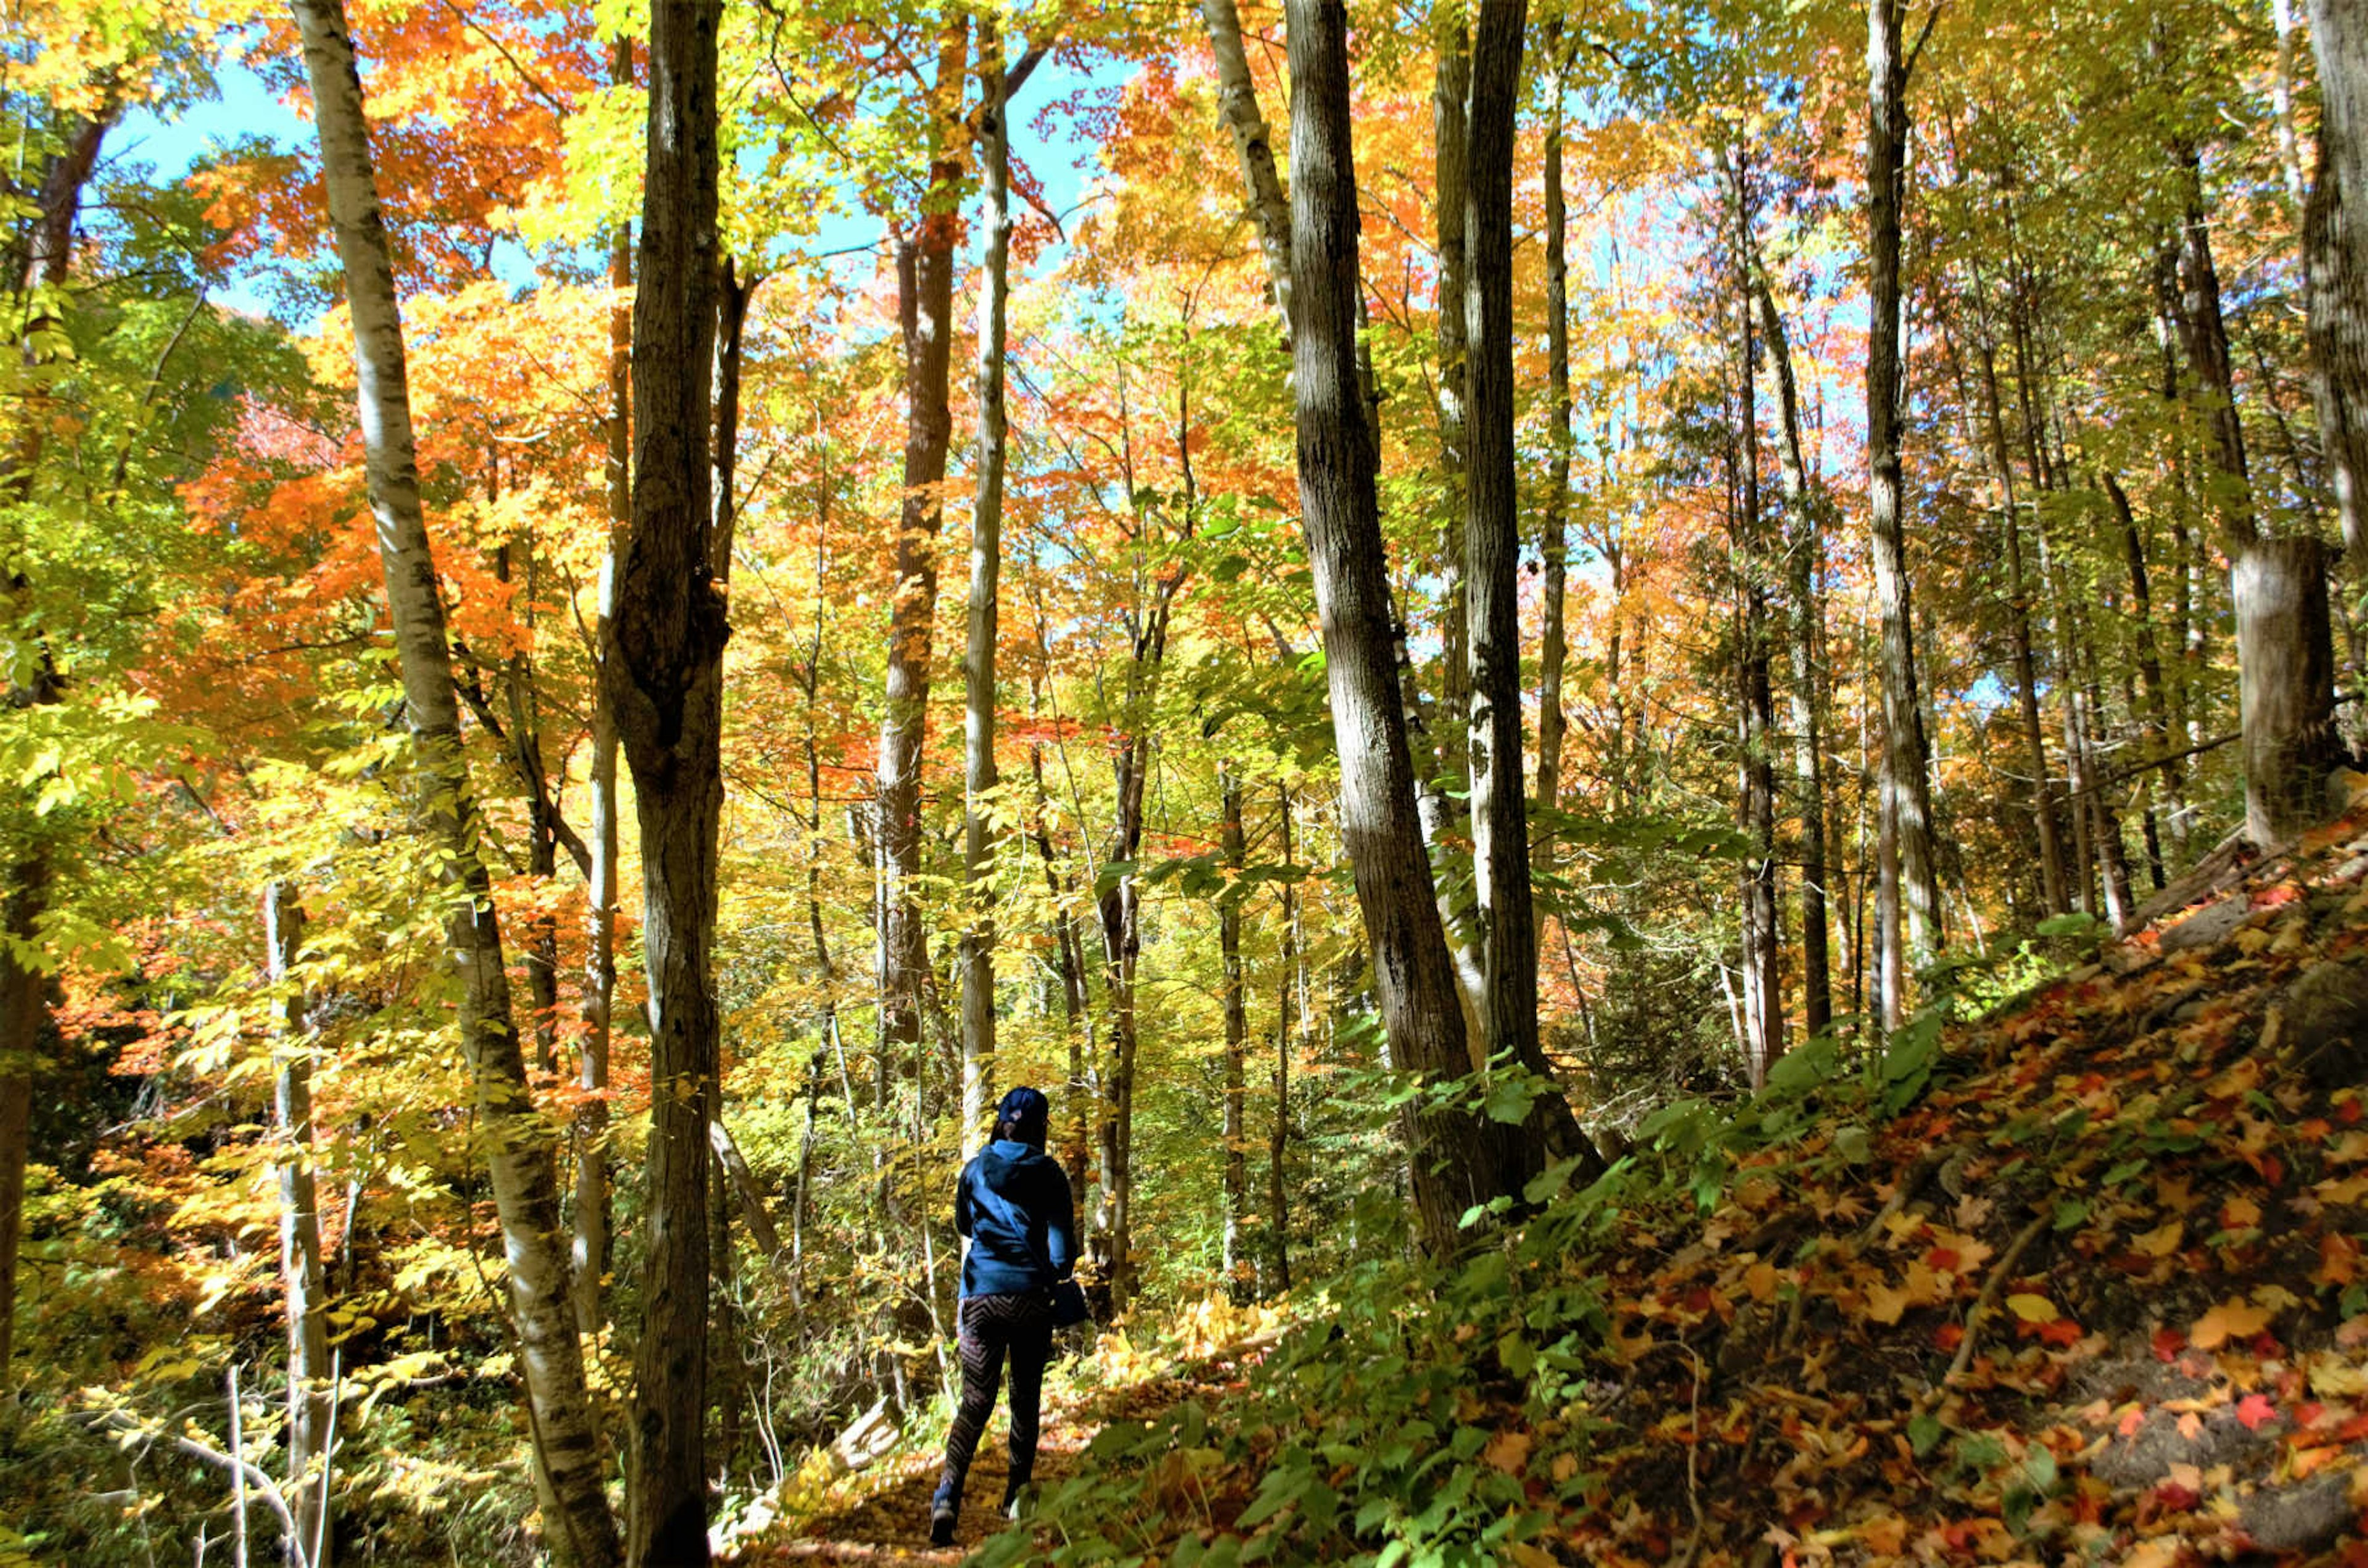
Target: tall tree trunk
1069 943
2204 330
590 1251
2335 259
300 1278
1450 113
924 273
1492 543
1553 643
1803 550
42 268
977 954
2156 713
1238 1266
1459 1160
1763 938
1914 894
665 675
1288 1019
731 296
518 1142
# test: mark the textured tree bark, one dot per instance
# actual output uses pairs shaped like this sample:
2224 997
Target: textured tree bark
664 674
1764 937
518 1142
2203 332
302 1283
1460 1160
1914 892
1253 149
977 953
2286 667
1507 1002
925 278
2335 258
732 295
1237 1268
1069 943
590 1132
1804 549
39 268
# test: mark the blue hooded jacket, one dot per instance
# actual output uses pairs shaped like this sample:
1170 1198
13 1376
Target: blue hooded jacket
1013 1204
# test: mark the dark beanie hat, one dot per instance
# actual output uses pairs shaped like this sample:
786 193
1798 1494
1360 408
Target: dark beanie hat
1028 1111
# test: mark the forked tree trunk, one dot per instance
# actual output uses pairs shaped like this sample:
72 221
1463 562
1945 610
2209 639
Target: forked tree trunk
518 1142
925 278
665 675
302 1283
1237 1268
1460 1160
2286 667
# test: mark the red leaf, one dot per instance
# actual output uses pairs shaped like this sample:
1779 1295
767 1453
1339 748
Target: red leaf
1948 1336
2168 1343
2256 1412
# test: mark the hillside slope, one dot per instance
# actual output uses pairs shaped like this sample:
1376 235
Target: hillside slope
2095 1293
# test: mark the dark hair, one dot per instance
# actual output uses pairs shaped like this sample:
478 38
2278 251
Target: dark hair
1019 1131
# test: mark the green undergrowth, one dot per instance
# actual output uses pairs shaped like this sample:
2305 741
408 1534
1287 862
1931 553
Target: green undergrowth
1429 1416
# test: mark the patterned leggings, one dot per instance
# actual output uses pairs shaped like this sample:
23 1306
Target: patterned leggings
990 1326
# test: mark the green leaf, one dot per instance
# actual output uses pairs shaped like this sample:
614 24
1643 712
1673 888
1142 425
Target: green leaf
1923 1433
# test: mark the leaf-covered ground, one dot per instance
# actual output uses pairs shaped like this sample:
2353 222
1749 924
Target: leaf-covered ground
2096 1295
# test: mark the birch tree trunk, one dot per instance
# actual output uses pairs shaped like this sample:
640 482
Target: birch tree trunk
302 1283
519 1143
1913 894
1459 1160
1253 149
665 675
977 954
925 277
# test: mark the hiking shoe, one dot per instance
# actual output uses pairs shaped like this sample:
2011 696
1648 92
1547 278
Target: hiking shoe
1014 1500
942 1520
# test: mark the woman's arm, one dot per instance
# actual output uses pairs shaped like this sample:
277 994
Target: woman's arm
1060 1227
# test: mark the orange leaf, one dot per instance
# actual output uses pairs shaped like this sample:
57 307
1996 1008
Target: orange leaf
2232 1319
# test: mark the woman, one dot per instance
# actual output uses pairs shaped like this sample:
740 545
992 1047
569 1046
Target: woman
1012 1203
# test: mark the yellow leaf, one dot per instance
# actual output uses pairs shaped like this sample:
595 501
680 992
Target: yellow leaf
2232 1319
1528 1556
2031 1308
2240 1214
1509 1452
2163 1240
2349 1191
1884 1304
